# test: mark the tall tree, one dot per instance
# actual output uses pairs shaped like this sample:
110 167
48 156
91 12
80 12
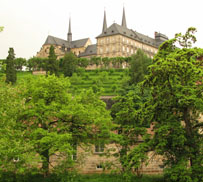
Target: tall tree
52 65
175 81
19 63
56 121
37 63
126 114
16 152
69 64
139 66
10 67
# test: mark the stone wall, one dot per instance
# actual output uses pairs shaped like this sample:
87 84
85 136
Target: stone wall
119 45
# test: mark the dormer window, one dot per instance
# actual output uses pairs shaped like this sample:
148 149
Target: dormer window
63 47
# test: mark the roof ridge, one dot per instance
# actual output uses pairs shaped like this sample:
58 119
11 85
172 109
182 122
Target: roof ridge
79 39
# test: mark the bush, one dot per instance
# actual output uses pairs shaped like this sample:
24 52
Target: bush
114 88
111 71
80 71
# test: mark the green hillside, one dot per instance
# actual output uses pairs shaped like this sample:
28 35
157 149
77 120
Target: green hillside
108 81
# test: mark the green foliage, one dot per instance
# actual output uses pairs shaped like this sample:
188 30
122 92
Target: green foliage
2 65
104 76
72 177
83 62
175 81
138 67
188 39
36 64
80 71
54 121
1 29
130 127
10 67
44 99
19 63
52 65
16 152
69 64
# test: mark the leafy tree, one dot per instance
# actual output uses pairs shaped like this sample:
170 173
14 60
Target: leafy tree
126 114
95 60
106 62
69 64
138 66
19 63
37 63
83 62
52 65
16 152
10 67
56 121
175 80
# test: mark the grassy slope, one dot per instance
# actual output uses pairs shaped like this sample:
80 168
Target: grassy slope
117 178
109 82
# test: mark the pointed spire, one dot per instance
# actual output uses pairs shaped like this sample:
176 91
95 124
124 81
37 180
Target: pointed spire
69 31
104 23
124 24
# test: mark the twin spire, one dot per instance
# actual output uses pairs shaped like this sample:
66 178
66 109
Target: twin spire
124 24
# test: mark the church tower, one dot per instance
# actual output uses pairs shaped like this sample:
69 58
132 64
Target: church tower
69 37
124 24
104 23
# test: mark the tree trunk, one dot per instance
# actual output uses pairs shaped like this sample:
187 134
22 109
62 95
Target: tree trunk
189 133
45 164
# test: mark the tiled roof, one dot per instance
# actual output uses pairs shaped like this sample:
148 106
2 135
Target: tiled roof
79 43
57 41
115 29
90 50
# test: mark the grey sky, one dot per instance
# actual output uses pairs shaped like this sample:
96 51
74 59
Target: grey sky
28 22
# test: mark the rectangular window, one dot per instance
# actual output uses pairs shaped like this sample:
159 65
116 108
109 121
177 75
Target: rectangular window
99 148
123 48
99 167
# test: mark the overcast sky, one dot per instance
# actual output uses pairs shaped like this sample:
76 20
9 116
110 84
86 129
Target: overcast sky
28 22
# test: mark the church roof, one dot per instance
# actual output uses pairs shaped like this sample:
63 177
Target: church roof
115 29
90 50
57 41
79 43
